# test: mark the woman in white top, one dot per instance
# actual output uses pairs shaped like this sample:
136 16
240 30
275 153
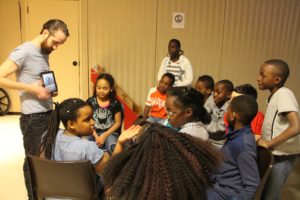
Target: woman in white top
177 64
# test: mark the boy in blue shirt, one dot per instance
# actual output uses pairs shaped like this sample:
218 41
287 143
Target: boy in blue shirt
238 176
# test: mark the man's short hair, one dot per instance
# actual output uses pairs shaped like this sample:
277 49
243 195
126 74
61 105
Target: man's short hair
53 25
246 107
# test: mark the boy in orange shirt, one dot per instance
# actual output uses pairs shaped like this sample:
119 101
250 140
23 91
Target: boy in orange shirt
155 110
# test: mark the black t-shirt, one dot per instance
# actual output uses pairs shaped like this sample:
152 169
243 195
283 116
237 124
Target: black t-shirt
104 116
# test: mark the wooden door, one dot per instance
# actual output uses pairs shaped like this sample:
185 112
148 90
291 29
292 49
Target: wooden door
62 61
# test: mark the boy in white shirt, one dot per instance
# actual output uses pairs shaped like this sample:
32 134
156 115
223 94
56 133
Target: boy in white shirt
281 124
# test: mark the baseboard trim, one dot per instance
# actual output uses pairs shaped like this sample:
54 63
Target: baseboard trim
14 113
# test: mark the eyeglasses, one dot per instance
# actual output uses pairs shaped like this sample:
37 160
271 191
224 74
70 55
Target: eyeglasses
170 114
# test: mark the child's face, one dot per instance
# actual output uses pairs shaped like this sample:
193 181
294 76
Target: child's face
200 87
176 115
221 95
173 49
267 79
164 84
103 88
84 124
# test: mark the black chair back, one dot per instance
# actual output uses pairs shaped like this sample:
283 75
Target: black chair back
62 179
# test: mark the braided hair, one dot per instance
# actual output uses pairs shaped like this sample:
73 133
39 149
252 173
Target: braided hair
162 164
188 97
64 112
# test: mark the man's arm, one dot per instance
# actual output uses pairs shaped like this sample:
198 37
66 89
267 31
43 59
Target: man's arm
291 131
8 68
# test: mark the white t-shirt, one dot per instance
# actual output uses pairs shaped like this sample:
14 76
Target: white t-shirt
195 129
282 101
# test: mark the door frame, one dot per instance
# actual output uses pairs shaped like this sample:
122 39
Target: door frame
84 79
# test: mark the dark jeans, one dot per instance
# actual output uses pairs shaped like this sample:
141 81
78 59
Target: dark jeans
32 126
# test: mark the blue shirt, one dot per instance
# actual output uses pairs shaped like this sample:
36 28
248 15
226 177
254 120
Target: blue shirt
71 148
238 176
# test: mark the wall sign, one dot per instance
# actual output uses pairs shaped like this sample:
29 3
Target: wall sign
178 20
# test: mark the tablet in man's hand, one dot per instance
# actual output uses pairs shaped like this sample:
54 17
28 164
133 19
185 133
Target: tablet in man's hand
49 81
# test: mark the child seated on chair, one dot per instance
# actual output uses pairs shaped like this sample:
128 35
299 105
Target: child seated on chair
205 85
155 110
222 95
68 144
107 113
238 176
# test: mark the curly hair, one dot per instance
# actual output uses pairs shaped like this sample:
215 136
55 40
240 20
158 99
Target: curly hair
162 164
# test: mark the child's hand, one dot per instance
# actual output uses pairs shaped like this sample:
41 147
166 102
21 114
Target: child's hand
96 137
101 140
129 134
261 142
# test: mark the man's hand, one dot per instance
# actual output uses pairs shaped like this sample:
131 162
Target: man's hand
42 93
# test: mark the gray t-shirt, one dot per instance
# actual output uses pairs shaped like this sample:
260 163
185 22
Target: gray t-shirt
31 62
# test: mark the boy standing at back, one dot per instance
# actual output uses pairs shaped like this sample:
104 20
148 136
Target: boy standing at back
238 176
155 110
281 124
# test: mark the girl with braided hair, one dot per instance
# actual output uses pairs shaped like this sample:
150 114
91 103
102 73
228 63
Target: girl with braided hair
161 164
68 144
186 112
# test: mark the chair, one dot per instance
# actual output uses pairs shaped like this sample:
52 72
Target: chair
265 161
62 179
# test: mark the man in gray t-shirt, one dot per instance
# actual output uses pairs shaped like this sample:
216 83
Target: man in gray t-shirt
28 61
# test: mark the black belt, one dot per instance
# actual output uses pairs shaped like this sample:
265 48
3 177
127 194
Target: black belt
41 114
285 157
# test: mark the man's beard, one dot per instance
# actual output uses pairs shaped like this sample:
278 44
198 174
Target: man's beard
45 49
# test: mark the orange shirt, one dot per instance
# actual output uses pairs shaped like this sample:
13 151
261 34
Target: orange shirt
256 123
156 100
